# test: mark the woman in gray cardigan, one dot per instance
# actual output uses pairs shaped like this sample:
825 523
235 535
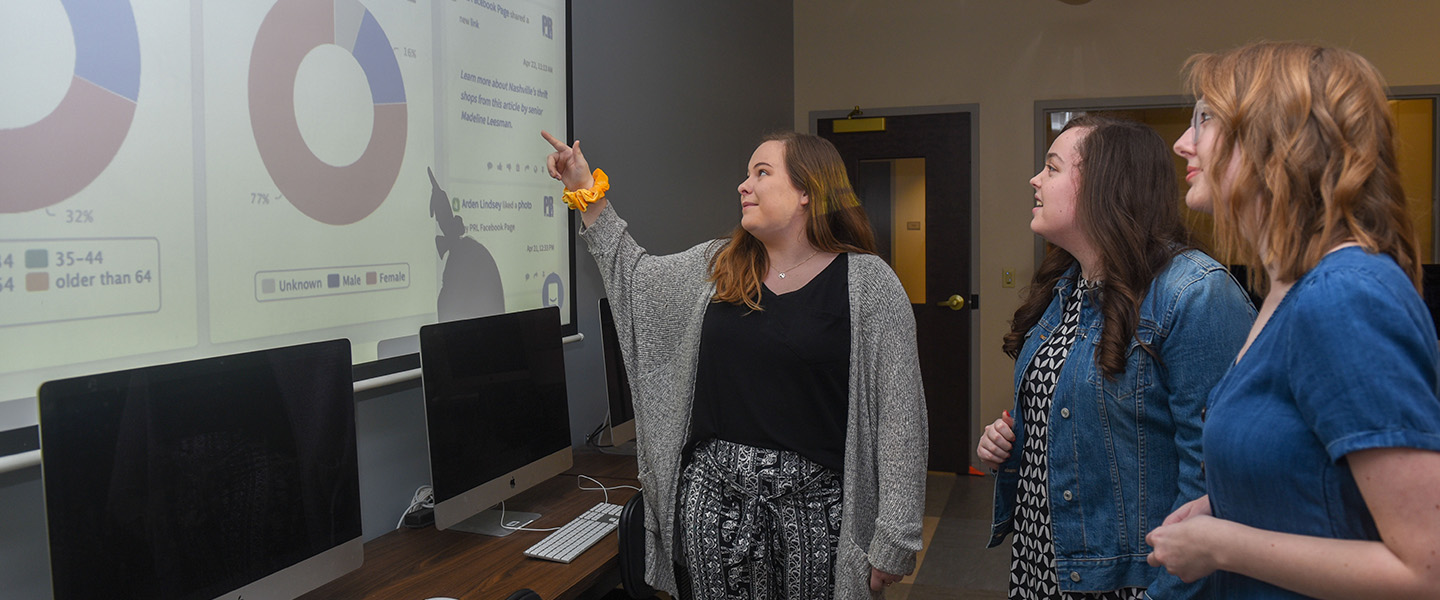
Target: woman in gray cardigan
779 411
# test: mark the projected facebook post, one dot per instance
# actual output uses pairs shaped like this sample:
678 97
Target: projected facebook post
503 87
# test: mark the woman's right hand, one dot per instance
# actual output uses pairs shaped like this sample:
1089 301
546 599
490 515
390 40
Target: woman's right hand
1187 542
997 441
1196 507
567 164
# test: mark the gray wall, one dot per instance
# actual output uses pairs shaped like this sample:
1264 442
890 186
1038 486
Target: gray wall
670 98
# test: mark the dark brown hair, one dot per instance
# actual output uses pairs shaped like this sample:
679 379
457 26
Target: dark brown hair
1127 206
836 223
1313 143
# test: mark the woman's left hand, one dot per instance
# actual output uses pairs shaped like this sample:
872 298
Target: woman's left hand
880 579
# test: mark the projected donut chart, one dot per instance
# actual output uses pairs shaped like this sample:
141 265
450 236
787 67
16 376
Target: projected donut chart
52 159
324 192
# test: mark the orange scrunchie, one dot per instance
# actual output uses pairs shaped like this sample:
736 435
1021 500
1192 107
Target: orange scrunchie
580 199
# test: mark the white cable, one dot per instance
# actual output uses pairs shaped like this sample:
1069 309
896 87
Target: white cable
424 496
502 522
602 488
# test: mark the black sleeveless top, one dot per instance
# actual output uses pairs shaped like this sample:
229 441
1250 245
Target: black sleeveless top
779 378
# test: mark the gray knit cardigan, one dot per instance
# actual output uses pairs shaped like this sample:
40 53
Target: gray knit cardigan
659 305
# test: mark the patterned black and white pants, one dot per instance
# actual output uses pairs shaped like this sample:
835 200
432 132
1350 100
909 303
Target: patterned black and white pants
756 524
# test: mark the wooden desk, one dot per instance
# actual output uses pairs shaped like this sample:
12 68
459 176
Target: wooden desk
415 564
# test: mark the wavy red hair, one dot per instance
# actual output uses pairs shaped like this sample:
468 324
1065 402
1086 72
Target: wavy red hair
1306 141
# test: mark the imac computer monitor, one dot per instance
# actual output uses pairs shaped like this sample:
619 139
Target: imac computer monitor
226 477
496 413
621 418
1430 291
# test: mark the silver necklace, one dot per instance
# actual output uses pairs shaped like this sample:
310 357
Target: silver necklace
797 265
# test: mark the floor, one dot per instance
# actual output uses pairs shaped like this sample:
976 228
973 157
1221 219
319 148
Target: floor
955 564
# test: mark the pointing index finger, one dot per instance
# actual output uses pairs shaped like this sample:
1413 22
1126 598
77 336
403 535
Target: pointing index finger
559 145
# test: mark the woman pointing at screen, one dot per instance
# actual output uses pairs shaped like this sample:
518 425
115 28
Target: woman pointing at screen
779 411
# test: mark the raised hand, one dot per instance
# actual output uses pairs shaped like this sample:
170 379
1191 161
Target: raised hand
567 164
439 200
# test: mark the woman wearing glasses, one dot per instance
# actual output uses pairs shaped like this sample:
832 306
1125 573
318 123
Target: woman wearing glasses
1322 444
1117 342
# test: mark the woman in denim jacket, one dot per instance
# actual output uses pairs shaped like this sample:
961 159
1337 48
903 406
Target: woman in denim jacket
1109 442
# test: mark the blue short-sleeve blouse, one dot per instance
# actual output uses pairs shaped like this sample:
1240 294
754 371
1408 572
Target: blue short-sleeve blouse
1348 362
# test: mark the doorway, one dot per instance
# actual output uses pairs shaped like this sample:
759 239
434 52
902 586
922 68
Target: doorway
914 176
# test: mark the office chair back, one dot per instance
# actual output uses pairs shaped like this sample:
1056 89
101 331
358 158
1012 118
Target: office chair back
524 594
632 549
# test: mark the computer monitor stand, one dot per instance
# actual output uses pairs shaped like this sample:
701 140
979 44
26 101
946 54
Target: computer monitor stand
487 522
627 449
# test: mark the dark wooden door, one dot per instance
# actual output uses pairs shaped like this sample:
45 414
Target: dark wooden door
874 160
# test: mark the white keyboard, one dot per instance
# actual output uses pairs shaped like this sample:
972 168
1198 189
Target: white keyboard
566 543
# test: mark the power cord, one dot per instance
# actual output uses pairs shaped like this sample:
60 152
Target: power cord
592 439
424 498
602 488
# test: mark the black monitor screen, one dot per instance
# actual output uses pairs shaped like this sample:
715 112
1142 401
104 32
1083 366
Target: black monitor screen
621 407
1430 290
193 479
495 396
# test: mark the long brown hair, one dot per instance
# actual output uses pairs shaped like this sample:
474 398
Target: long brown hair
1313 143
1127 206
836 221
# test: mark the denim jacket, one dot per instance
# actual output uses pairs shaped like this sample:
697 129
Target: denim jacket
1125 452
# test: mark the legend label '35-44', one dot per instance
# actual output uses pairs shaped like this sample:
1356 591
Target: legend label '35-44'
67 279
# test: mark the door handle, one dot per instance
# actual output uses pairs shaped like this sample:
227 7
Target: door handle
955 302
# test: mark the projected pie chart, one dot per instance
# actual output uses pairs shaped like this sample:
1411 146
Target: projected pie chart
336 195
50 160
